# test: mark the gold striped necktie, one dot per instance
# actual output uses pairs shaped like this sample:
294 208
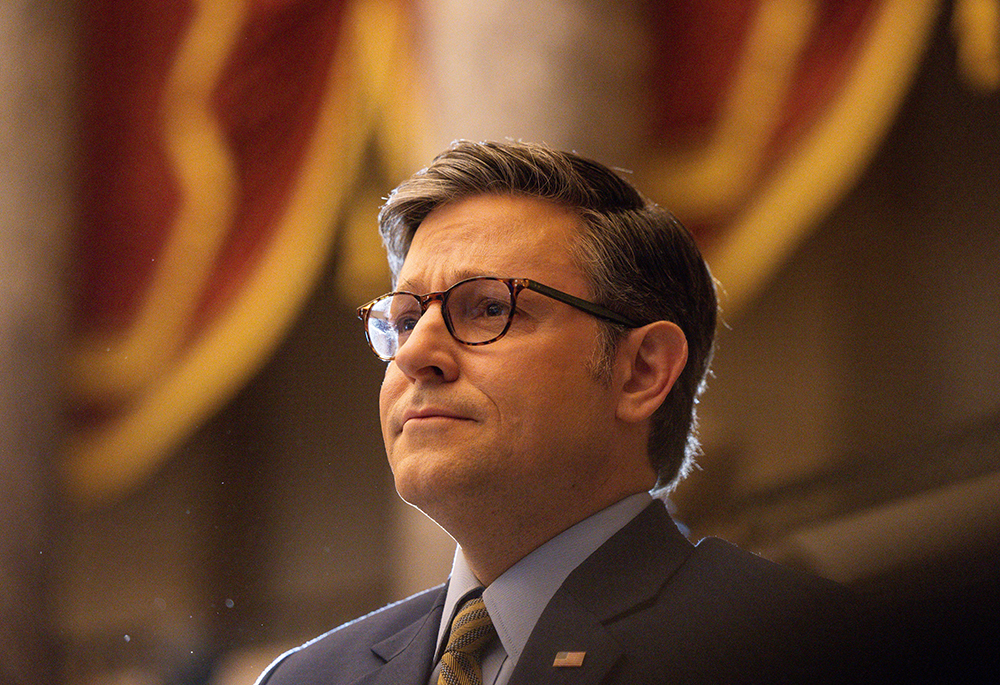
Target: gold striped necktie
471 629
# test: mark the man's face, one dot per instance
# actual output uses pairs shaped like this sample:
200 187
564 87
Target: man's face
521 422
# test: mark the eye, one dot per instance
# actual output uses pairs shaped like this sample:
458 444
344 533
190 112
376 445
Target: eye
403 314
490 308
405 323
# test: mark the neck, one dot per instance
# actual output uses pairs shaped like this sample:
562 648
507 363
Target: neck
495 538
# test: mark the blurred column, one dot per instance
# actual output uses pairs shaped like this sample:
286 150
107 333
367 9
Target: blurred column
35 216
564 72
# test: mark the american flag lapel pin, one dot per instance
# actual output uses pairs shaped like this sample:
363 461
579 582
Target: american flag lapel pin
569 659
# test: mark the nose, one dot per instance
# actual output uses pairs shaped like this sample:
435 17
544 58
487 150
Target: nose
428 353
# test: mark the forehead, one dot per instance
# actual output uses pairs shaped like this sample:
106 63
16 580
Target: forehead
498 235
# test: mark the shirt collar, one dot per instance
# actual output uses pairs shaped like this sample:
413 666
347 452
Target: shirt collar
517 598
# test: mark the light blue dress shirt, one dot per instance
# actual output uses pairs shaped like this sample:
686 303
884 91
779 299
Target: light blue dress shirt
517 598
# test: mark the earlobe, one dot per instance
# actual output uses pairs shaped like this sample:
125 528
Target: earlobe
651 358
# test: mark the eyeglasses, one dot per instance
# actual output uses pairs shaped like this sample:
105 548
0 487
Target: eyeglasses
476 311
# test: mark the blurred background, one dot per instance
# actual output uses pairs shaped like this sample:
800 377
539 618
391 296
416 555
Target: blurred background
192 474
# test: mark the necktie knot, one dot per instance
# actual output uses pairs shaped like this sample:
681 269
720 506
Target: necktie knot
471 629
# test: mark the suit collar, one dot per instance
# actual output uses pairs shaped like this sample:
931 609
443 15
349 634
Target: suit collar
597 584
612 581
409 653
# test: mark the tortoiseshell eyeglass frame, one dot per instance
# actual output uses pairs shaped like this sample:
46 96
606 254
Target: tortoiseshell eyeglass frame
514 286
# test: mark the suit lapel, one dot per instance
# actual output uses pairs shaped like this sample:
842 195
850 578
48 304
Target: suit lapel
565 626
632 566
409 653
629 569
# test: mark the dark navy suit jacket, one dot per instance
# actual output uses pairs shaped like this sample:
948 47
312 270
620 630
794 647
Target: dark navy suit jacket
646 607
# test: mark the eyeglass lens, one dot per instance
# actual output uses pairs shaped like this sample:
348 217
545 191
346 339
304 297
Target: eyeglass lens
475 311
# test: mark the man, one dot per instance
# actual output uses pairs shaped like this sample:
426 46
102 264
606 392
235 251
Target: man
549 332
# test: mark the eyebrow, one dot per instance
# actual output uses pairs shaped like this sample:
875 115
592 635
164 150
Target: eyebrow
456 276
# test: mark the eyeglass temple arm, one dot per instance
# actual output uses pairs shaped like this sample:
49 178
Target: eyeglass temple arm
589 307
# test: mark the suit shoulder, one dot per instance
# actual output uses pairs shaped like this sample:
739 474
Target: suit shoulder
727 615
754 592
348 648
726 563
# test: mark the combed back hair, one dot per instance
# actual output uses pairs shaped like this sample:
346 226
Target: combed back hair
638 260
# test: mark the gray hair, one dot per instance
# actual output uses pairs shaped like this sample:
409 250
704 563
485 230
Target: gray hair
637 258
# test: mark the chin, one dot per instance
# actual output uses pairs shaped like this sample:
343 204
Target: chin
429 480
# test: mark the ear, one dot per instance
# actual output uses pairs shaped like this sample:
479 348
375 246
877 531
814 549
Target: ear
649 360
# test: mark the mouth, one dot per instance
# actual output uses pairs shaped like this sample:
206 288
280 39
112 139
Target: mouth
430 416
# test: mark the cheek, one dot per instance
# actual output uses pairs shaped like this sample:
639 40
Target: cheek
389 392
546 399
